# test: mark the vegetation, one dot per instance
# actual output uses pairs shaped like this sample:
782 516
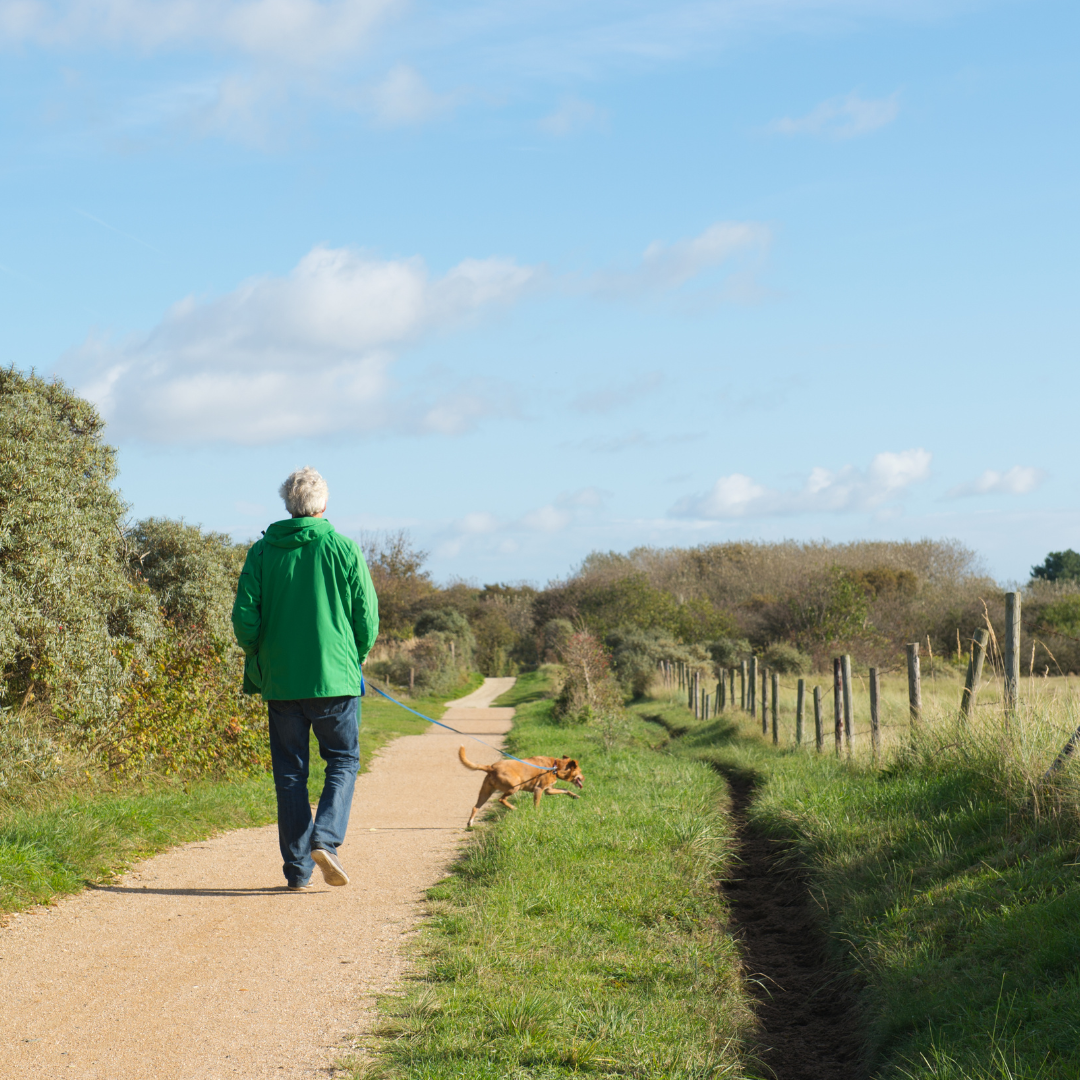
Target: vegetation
1058 566
586 937
945 872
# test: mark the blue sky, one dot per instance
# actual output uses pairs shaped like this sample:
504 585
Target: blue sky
535 279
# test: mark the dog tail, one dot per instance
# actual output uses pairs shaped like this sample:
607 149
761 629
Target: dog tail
468 764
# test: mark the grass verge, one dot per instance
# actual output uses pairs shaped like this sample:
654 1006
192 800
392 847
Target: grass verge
585 937
57 838
949 878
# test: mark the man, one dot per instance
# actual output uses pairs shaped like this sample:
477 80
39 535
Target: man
306 616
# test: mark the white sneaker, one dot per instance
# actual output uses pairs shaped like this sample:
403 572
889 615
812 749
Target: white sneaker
332 871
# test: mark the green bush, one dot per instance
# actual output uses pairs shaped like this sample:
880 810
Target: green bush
636 655
729 652
786 659
69 613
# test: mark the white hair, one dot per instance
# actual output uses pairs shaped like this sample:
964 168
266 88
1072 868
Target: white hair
304 492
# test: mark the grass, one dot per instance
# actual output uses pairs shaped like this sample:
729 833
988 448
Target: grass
947 874
583 938
57 838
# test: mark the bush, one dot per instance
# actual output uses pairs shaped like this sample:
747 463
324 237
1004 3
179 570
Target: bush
69 614
554 637
589 695
636 655
786 659
729 652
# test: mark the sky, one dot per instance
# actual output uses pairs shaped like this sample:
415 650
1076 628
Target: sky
540 278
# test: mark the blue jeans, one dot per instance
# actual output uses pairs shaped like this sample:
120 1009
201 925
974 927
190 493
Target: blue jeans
336 723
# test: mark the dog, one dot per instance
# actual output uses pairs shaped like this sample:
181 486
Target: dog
539 777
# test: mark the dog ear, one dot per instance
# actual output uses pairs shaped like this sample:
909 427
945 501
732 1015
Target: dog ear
571 764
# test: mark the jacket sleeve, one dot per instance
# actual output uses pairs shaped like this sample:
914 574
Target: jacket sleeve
365 608
247 608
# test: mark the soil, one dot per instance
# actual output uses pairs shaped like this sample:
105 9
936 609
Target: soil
808 1009
198 964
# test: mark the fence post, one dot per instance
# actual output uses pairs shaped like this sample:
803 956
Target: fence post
776 708
742 685
721 695
914 683
751 687
819 727
800 709
838 704
974 674
412 678
708 702
764 701
731 686
875 713
695 695
1012 650
849 711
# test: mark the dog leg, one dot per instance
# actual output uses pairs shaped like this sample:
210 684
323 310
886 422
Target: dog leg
487 789
509 805
563 791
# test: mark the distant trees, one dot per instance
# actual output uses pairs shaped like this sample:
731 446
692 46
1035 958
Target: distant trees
1058 566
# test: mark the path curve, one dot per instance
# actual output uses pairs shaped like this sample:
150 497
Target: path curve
199 965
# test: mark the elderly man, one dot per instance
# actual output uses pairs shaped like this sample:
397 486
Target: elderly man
306 616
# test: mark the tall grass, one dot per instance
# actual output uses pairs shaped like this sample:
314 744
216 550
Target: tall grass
946 871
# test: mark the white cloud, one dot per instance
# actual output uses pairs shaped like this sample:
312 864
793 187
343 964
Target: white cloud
664 267
568 508
848 489
573 115
299 31
1018 480
404 98
285 357
842 117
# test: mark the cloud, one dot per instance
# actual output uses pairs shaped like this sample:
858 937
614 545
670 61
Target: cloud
298 31
664 267
1018 480
848 489
404 98
285 357
616 395
568 508
573 115
842 117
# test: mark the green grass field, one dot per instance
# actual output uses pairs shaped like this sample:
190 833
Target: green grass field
949 876
58 838
583 938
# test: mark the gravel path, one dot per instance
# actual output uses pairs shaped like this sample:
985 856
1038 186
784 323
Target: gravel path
198 964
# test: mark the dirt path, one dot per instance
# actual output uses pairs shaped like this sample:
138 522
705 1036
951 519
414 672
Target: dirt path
809 1012
198 964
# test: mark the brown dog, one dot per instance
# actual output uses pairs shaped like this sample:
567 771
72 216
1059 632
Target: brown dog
539 776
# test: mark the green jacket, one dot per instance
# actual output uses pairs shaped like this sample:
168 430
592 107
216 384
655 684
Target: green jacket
306 614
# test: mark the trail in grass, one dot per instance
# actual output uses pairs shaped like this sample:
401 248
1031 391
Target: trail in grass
199 964
808 1010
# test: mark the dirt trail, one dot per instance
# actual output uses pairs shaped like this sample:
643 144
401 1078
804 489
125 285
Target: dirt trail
199 964
809 1011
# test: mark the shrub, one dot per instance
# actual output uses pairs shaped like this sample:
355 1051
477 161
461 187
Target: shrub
68 611
588 693
729 652
553 639
636 655
786 659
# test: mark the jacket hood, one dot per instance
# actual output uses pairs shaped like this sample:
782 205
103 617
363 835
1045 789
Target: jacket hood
295 532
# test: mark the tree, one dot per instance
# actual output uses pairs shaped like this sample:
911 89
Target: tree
403 586
1059 566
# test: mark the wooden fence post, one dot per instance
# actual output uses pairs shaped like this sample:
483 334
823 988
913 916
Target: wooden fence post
838 705
974 674
776 708
731 686
695 692
1012 651
742 685
875 713
819 727
914 683
764 701
800 709
849 710
751 687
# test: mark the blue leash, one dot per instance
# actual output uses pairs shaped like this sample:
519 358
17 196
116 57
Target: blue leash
439 723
